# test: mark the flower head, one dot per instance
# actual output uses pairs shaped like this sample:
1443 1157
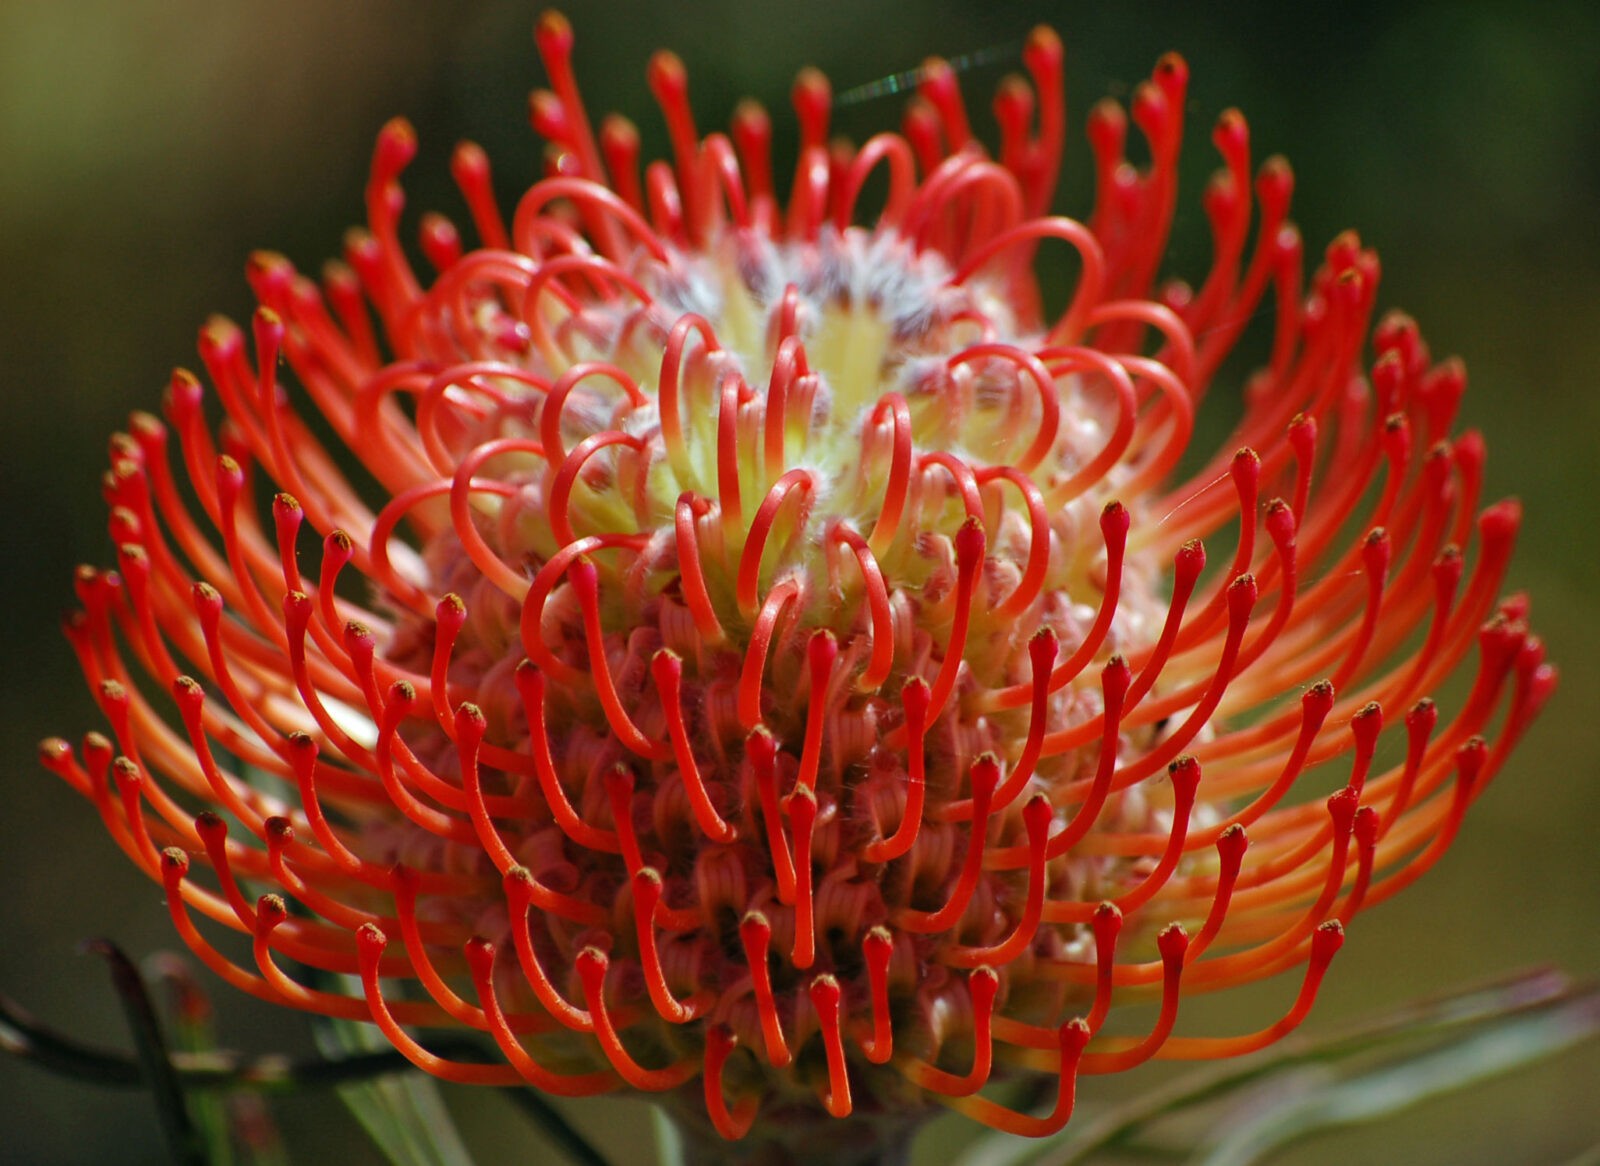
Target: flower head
710 645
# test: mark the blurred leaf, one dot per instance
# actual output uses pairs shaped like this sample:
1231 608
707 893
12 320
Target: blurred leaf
24 1035
554 1125
193 1032
183 1139
404 1115
1368 1096
1507 1023
669 1142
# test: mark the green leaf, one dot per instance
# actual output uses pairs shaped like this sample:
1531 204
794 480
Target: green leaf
193 1032
669 1142
1518 1019
404 1115
1397 1086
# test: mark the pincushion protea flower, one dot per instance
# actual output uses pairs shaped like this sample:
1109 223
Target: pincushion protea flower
761 659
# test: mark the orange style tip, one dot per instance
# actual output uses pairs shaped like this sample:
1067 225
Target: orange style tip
584 577
271 910
1043 48
54 750
337 274
518 884
270 274
397 146
1036 815
1233 842
936 76
297 607
592 964
552 32
127 775
825 994
1342 805
470 718
667 77
1500 521
468 157
1326 941
618 132
970 542
479 953
985 772
370 940
1190 560
618 782
1231 133
264 259
761 745
1172 942
1280 520
279 830
1115 520
1108 124
751 117
1246 463
1151 107
183 397
916 694
811 84
175 861
1073 1035
219 325
547 115
268 322
1013 99
1275 180
359 244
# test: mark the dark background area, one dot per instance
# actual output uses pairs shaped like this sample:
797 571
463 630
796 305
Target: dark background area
146 148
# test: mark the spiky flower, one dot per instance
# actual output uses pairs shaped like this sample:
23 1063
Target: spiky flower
730 651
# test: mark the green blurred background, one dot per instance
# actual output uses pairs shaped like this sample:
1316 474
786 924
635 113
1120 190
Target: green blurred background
146 147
